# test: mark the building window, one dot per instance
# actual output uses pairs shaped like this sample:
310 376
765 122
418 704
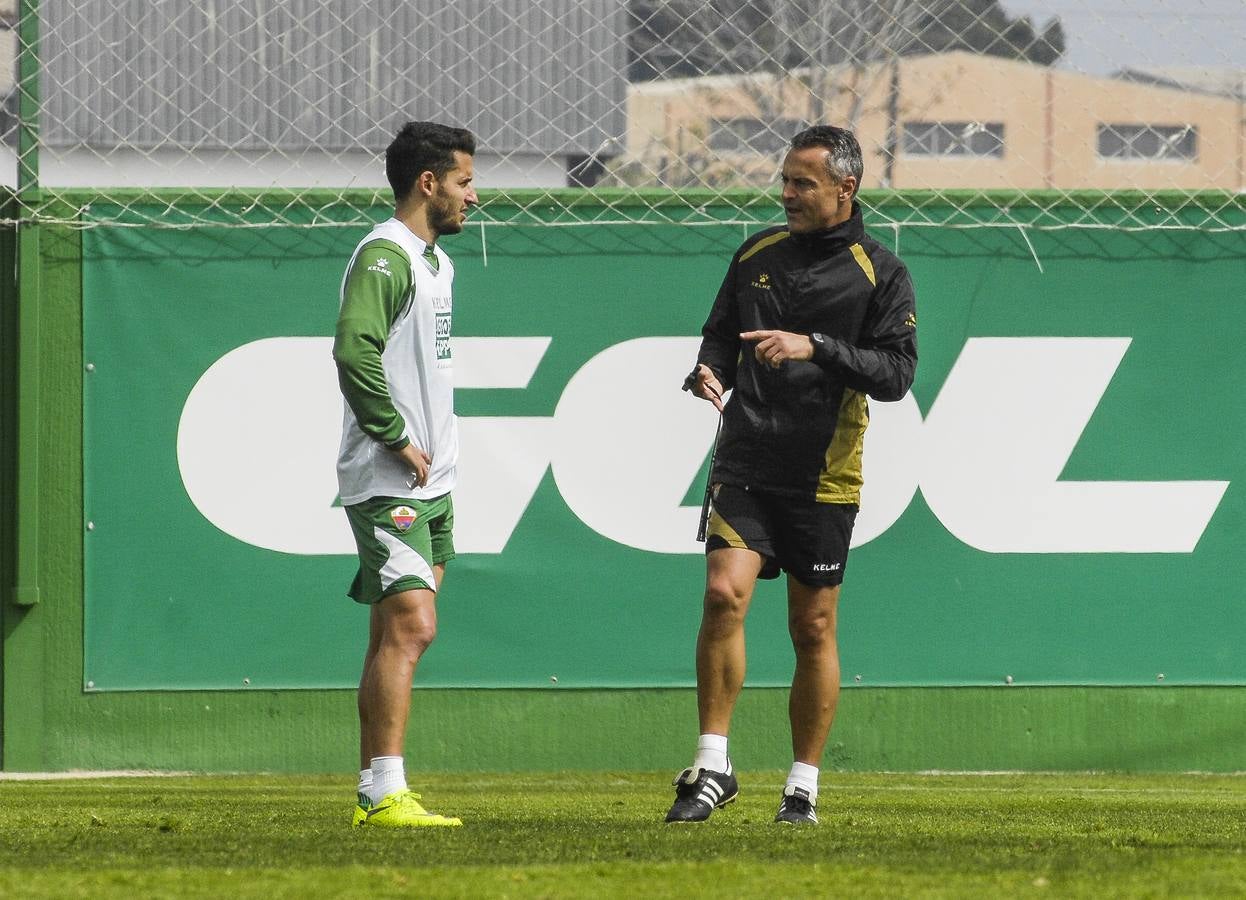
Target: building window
747 135
1152 142
954 139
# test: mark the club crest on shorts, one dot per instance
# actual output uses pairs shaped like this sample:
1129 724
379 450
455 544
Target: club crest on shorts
403 516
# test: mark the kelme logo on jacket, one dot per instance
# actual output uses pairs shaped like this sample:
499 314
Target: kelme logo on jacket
762 281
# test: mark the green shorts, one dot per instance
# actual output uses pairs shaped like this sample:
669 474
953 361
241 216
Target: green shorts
399 542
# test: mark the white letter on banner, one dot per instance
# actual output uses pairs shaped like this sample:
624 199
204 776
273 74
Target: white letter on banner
893 445
1000 433
257 443
501 458
259 432
629 443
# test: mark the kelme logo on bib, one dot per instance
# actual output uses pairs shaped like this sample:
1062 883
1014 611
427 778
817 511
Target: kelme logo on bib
403 516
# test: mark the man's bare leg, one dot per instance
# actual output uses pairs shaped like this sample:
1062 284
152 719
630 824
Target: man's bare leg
815 684
401 628
709 783
730 577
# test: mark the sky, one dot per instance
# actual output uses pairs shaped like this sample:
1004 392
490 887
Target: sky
1102 36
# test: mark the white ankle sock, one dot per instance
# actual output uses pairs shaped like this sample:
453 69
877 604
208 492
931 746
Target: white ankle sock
387 776
365 781
712 753
804 776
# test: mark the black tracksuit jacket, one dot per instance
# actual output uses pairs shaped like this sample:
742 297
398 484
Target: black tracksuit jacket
798 430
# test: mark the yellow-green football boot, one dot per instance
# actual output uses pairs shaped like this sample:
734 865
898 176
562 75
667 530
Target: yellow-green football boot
362 804
401 809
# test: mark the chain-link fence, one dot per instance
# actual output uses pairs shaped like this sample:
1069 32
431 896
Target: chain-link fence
1115 114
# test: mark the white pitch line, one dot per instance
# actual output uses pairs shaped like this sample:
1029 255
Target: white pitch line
77 773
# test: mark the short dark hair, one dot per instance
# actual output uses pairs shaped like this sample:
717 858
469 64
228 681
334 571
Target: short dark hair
845 157
423 147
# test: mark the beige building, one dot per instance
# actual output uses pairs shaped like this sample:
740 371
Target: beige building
955 120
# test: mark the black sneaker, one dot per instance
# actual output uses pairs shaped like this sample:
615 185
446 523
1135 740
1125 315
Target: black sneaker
698 792
797 807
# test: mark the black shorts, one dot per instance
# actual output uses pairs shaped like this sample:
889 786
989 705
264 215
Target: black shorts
806 539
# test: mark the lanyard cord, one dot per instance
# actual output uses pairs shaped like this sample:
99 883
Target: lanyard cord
703 524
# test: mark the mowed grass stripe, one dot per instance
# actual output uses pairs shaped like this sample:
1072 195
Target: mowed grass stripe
600 834
635 881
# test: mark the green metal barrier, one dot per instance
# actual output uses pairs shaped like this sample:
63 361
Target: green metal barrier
164 637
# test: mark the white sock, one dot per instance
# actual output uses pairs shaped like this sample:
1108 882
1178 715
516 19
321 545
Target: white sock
804 776
387 776
365 781
712 753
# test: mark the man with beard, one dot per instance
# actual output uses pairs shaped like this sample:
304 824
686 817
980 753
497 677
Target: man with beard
399 452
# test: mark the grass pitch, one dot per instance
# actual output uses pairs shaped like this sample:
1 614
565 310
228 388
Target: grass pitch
601 834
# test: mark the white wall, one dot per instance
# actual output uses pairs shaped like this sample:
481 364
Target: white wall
257 169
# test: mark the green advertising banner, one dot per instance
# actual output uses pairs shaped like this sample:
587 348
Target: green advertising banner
1054 503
